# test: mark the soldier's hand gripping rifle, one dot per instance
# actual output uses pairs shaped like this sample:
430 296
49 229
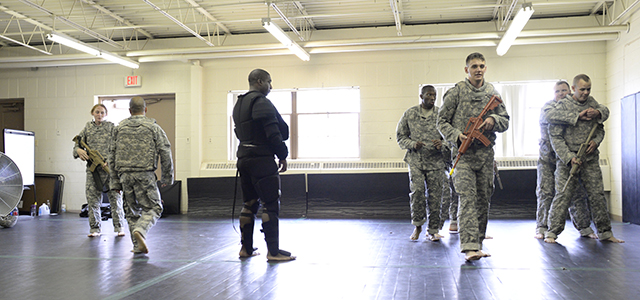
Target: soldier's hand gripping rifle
473 130
497 174
580 155
95 160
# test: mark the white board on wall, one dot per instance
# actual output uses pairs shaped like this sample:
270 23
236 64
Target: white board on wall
19 145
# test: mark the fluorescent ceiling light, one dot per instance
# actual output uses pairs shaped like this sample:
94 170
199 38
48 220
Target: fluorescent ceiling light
277 32
515 28
78 45
69 42
119 60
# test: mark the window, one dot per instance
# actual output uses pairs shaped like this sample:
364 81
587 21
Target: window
323 123
523 101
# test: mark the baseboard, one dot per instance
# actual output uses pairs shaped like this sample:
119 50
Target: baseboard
616 218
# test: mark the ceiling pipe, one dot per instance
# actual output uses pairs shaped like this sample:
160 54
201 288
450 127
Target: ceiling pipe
386 40
359 45
386 47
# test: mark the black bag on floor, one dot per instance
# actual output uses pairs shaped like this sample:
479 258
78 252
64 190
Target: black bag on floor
105 212
84 212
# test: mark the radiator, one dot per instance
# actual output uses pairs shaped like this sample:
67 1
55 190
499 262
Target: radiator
222 169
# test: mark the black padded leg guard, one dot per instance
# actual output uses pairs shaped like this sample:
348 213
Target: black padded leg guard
270 228
247 222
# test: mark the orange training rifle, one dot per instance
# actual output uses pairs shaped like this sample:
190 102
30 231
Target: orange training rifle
473 130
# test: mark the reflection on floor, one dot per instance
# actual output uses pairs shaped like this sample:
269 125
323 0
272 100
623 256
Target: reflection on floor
52 258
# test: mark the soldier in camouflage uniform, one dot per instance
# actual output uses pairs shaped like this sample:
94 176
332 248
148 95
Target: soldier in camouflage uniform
449 208
545 189
97 134
417 133
137 143
566 140
473 176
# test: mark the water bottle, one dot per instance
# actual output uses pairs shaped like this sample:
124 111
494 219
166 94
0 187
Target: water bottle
63 207
44 210
34 209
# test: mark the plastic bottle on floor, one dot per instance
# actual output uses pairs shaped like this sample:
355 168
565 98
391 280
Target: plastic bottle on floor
34 209
44 210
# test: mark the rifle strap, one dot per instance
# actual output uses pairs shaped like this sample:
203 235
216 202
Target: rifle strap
98 181
233 206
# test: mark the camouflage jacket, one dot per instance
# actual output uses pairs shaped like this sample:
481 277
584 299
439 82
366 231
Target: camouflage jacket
464 101
415 126
97 137
137 143
559 117
567 138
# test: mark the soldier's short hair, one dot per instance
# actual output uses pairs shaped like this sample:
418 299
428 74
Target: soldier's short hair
425 88
473 56
258 74
561 82
579 77
99 105
137 105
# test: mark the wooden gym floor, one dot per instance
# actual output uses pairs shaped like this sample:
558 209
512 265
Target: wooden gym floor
196 258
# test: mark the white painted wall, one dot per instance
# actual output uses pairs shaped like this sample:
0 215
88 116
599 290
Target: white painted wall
59 99
623 78
58 102
389 82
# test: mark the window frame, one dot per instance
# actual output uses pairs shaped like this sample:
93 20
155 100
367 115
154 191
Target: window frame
293 142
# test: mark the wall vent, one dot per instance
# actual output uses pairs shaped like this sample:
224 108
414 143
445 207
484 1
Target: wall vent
364 165
301 165
220 166
517 163
504 163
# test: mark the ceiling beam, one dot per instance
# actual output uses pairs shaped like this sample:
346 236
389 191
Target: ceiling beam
116 17
23 44
178 22
286 20
76 26
507 15
208 15
303 12
596 7
627 10
396 9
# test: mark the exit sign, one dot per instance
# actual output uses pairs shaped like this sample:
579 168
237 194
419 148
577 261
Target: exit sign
131 81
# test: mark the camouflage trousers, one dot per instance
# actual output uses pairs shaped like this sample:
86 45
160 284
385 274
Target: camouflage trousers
473 180
449 209
419 201
545 190
589 176
94 202
142 203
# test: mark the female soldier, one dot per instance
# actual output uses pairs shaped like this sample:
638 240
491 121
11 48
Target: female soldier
97 135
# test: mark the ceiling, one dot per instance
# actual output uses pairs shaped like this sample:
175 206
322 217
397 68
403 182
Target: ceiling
202 29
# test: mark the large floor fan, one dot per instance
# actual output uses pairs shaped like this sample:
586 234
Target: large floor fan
10 185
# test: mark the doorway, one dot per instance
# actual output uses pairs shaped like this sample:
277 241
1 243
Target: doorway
11 115
161 107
